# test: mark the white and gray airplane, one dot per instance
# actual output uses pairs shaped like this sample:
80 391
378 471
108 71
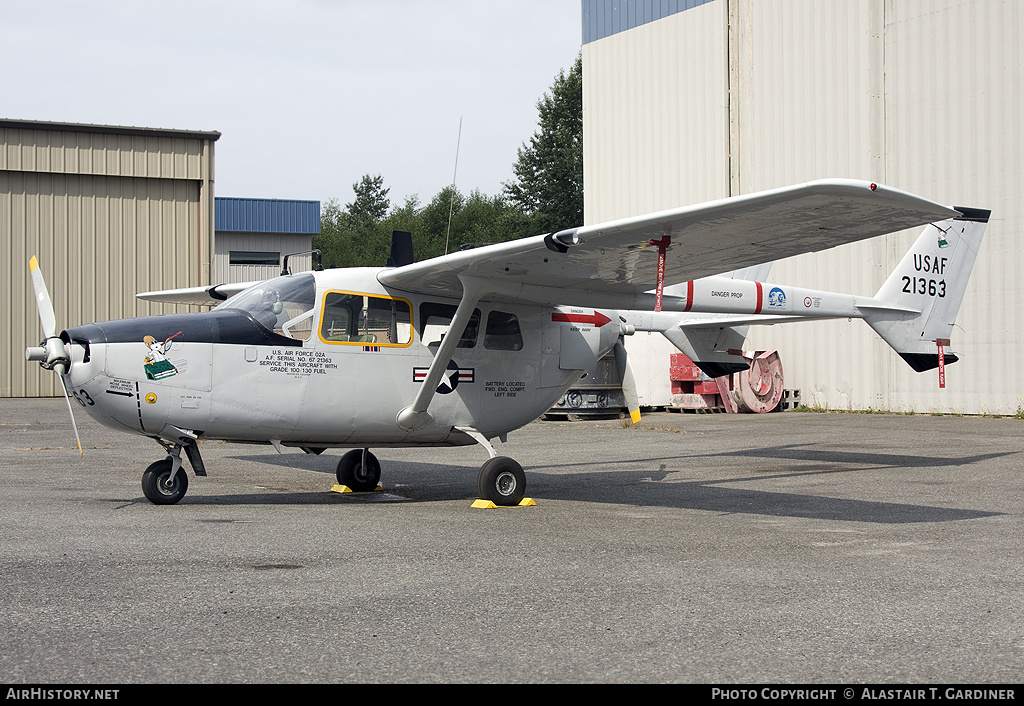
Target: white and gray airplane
462 349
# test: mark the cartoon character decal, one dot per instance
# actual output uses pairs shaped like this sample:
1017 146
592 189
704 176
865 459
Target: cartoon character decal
157 364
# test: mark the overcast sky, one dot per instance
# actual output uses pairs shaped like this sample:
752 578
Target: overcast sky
308 95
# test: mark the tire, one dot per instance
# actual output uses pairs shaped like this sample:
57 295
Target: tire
502 481
351 472
154 483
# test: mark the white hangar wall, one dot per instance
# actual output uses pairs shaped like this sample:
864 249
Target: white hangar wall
726 97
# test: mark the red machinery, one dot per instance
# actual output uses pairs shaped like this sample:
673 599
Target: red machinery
758 389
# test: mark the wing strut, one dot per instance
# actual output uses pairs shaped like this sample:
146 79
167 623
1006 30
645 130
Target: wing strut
416 416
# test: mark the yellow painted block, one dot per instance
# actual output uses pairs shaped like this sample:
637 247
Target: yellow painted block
338 488
487 504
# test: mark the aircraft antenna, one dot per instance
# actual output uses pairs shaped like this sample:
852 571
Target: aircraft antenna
451 204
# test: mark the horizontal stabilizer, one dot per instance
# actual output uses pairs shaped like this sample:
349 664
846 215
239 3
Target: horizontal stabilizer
923 362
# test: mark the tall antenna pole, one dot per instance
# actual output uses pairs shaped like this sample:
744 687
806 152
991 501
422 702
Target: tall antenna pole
451 204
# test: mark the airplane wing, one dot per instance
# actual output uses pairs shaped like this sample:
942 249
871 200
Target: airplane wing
202 296
613 264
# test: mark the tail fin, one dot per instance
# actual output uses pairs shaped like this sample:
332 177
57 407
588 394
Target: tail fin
916 307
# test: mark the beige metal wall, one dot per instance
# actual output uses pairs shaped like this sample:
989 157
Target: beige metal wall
656 115
224 271
923 95
107 215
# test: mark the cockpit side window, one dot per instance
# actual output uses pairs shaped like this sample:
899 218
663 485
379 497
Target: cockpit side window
435 319
364 319
284 305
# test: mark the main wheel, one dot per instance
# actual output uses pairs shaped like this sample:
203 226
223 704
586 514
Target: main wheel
501 481
352 473
158 486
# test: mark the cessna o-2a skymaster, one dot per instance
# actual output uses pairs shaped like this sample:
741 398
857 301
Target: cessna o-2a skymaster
464 348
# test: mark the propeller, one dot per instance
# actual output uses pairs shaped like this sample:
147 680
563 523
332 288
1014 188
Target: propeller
52 354
626 372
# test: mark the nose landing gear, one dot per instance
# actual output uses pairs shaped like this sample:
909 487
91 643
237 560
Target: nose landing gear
166 482
163 484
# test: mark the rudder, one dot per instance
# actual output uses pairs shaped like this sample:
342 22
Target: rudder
917 305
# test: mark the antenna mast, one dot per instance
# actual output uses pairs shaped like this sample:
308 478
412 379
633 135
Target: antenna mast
451 204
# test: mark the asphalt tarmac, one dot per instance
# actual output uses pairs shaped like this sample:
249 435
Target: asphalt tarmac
723 549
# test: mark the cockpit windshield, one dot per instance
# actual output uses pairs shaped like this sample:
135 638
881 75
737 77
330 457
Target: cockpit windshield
283 305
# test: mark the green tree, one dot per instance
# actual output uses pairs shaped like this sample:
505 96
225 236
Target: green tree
359 235
548 183
371 203
354 236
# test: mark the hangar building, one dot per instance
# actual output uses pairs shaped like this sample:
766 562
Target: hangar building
253 235
691 100
111 211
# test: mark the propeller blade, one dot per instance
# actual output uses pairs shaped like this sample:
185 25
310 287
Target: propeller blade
74 426
628 382
46 316
56 356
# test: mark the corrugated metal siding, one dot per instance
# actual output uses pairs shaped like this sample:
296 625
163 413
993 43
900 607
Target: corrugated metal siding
109 211
954 100
924 95
267 215
678 144
284 244
603 18
63 152
808 104
99 240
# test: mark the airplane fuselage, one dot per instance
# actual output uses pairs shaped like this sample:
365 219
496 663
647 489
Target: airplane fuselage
329 359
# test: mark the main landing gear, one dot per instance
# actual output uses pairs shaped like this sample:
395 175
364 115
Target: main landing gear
359 470
501 479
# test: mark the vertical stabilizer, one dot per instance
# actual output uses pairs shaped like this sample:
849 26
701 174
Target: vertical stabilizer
917 305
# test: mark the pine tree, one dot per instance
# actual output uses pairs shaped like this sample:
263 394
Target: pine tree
548 184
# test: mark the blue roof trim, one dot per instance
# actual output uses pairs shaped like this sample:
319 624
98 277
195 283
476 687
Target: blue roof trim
603 18
266 215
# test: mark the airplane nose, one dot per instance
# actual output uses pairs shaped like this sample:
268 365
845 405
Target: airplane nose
80 348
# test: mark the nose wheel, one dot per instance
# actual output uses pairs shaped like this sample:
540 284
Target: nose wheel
162 485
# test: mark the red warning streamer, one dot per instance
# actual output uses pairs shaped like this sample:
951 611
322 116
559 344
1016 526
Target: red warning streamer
942 362
662 247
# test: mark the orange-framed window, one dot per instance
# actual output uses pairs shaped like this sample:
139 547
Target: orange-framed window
354 318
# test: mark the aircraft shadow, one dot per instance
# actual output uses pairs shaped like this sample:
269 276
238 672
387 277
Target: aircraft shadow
655 485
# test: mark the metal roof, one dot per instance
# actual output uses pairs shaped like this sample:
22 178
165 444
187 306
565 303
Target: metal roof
266 215
107 129
603 18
